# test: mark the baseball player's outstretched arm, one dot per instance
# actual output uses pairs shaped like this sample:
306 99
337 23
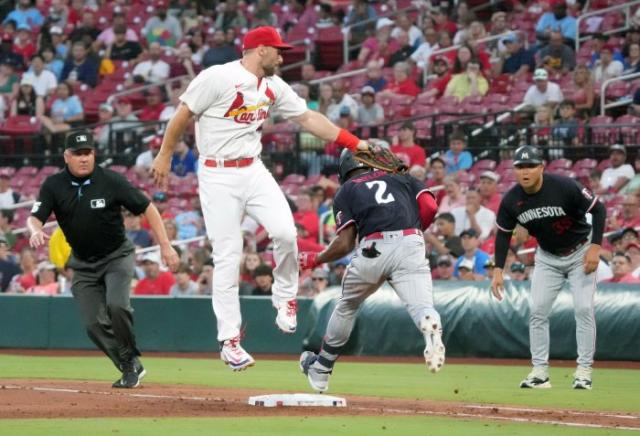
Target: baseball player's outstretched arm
339 247
320 126
176 127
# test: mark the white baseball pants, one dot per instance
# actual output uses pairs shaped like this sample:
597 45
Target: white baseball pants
226 194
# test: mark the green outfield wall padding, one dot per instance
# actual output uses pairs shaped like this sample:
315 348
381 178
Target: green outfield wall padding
474 323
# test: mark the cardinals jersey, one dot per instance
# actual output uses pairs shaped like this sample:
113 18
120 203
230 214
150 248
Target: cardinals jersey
230 105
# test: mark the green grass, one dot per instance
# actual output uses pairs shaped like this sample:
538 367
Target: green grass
289 426
614 389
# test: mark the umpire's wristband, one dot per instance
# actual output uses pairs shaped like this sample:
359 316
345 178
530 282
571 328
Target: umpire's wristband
347 139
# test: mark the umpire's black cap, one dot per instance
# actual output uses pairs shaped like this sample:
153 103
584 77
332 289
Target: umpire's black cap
527 154
79 140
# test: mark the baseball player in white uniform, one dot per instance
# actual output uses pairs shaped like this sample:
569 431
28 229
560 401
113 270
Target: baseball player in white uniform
230 102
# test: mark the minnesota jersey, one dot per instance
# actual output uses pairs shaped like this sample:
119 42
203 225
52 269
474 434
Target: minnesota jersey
555 215
378 201
230 105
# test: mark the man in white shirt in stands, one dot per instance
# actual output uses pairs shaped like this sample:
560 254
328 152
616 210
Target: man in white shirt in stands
542 91
153 70
474 216
7 197
619 173
606 67
44 81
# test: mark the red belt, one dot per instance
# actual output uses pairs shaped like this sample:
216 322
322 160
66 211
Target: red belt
380 235
234 163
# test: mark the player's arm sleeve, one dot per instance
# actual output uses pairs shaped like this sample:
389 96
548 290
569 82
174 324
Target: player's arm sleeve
427 204
288 104
506 224
128 196
202 92
341 211
44 204
587 202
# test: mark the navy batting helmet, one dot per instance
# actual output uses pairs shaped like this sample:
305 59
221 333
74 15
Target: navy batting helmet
348 164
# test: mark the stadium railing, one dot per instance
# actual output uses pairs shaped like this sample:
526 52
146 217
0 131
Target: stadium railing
624 7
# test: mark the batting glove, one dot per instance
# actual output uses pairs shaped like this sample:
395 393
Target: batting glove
307 260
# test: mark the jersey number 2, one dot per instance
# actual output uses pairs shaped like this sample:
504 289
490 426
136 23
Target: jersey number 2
381 188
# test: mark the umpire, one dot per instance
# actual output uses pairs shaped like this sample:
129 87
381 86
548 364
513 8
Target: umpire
87 202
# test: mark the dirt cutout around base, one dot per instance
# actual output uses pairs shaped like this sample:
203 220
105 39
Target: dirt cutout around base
29 399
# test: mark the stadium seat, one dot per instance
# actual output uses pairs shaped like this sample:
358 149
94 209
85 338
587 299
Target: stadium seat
586 163
559 164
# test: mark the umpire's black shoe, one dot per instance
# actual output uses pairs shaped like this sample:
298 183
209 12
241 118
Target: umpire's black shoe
139 368
129 379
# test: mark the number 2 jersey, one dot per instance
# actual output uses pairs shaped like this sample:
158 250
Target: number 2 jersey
377 201
555 215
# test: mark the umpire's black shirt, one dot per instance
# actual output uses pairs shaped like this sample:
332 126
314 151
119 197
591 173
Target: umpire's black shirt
89 209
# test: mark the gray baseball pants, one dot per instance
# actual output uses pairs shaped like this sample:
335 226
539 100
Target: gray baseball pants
548 278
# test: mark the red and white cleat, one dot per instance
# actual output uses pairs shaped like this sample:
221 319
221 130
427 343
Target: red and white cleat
286 320
232 353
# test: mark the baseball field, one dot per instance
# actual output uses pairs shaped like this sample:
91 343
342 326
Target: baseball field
70 393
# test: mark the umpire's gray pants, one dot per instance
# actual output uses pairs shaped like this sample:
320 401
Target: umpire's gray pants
403 264
548 278
102 289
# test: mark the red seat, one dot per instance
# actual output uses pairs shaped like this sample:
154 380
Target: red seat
559 164
294 179
604 165
483 165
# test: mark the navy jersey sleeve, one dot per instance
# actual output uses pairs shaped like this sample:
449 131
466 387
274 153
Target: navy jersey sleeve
128 196
341 210
45 203
506 220
415 185
583 199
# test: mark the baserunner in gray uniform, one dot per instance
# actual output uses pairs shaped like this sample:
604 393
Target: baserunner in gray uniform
553 208
386 212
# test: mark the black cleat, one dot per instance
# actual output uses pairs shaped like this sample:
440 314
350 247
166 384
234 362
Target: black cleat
130 378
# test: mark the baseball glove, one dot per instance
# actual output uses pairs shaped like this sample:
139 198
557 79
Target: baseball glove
380 158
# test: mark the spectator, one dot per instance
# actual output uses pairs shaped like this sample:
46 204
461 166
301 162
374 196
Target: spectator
341 98
184 160
374 76
488 189
248 266
437 85
438 171
471 83
361 11
404 24
134 231
184 64
66 111
23 44
518 60
565 130
422 54
27 102
453 197
8 197
402 83
145 159
606 67
474 216
406 147
303 92
164 29
556 55
8 80
499 26
155 282
219 52
630 216
370 113
21 282
542 91
465 270
445 240
86 32
183 285
456 158
633 251
582 90
308 73
230 17
326 17
621 269
81 67
490 267
472 254
6 231
46 280
619 173
442 22
121 48
108 36
44 81
51 63
404 50
325 99
634 184
444 268
59 44
263 276
124 117
154 69
102 132
8 268
466 54
174 102
598 42
632 61
542 122
190 222
336 275
154 107
380 46
205 279
319 282
25 15
306 216
263 15
557 19
518 272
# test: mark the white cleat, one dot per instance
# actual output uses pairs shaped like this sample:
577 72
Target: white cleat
434 351
286 319
232 353
318 378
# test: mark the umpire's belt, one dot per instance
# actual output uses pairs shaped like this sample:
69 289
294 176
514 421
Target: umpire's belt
391 234
571 250
233 163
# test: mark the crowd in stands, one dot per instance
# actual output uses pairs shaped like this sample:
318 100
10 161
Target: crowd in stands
56 54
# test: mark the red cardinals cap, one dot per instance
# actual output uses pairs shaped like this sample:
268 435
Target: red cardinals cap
264 35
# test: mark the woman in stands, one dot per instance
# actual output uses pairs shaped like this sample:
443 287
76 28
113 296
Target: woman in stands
8 79
325 98
27 102
66 111
582 90
632 61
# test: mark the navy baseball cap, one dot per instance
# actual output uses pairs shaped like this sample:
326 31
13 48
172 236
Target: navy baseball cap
469 232
79 140
527 154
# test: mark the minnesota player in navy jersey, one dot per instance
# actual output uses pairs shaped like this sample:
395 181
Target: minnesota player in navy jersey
386 213
553 209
